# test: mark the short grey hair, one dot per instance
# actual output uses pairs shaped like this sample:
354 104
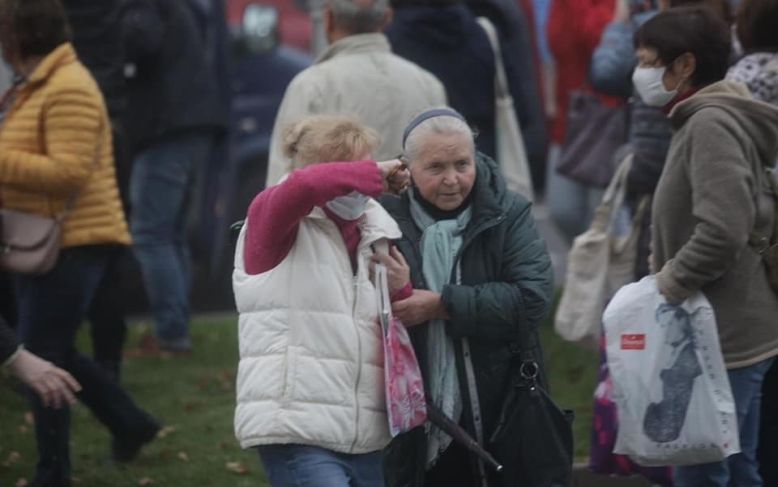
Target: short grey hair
435 125
359 16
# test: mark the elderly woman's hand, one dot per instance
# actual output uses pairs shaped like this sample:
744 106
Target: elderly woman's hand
398 273
422 306
396 176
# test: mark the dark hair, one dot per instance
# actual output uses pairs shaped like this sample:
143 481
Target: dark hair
31 28
694 30
757 25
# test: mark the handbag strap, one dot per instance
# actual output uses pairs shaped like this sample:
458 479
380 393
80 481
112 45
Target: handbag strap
613 198
500 79
381 283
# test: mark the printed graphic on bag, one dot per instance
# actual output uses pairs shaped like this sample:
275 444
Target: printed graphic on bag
633 342
674 401
663 420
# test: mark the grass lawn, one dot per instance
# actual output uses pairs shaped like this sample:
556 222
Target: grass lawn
194 397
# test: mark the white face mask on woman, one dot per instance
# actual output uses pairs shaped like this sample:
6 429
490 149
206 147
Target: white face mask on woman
648 83
349 207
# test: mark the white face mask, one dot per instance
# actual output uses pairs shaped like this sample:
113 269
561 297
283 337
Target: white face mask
349 207
648 83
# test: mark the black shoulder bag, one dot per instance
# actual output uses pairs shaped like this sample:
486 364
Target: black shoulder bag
533 439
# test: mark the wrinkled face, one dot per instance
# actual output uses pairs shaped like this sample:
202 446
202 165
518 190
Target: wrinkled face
444 170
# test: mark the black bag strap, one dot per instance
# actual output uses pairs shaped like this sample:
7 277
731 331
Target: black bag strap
524 351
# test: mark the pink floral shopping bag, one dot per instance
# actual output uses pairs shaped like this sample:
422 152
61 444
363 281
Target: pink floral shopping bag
405 402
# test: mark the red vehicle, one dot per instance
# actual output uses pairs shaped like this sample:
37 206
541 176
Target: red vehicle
294 22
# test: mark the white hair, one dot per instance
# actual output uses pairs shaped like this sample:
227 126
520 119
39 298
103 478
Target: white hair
359 16
436 125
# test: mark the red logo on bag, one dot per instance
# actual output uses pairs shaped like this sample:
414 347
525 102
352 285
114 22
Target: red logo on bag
633 342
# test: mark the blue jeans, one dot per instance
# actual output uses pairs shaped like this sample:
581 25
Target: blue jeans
160 190
51 308
311 466
741 470
571 204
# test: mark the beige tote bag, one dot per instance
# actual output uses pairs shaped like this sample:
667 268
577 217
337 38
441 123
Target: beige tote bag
599 263
511 154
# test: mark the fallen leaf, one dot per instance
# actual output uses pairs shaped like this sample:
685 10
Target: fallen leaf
23 429
145 481
22 482
29 418
166 431
183 456
237 468
223 445
75 480
13 457
167 454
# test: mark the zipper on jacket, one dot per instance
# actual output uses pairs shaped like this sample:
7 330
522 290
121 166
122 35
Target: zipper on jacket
355 281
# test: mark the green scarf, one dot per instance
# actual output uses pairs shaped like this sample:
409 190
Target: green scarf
441 242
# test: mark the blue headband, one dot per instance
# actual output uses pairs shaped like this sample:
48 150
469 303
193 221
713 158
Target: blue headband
435 112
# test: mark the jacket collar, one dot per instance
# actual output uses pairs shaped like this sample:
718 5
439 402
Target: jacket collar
356 44
63 54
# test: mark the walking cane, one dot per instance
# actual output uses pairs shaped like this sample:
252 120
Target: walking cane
439 419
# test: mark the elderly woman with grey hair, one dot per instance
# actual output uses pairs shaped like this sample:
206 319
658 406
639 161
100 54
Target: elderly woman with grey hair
479 270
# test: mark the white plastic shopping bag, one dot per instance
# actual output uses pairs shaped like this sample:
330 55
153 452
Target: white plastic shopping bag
670 385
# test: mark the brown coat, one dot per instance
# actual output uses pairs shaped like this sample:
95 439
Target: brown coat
705 208
49 146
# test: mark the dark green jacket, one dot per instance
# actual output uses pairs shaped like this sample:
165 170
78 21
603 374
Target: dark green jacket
507 279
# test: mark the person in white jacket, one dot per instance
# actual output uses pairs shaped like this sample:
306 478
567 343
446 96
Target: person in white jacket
310 386
357 75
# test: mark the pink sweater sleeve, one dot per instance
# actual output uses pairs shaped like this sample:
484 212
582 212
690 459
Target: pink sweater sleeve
275 213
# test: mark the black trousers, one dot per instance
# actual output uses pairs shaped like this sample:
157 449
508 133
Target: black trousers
767 454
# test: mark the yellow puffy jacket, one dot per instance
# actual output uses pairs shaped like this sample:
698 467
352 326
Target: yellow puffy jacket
55 142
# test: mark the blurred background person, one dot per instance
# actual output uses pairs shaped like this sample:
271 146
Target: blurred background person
757 30
173 114
574 30
713 196
357 75
97 39
56 159
444 37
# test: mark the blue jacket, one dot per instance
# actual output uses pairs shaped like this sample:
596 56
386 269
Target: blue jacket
611 70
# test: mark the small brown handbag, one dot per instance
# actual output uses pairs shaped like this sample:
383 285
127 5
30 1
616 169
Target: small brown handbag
29 243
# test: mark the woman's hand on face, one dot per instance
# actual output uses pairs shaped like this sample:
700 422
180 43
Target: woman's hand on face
396 175
422 306
398 273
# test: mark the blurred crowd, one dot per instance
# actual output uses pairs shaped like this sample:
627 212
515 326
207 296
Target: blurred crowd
117 121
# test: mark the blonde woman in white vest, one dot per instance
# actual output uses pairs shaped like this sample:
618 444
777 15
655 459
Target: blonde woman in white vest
310 388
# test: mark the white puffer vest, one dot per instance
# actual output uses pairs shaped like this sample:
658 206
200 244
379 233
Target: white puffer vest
311 352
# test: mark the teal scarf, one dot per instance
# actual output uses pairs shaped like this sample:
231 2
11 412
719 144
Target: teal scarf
441 242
